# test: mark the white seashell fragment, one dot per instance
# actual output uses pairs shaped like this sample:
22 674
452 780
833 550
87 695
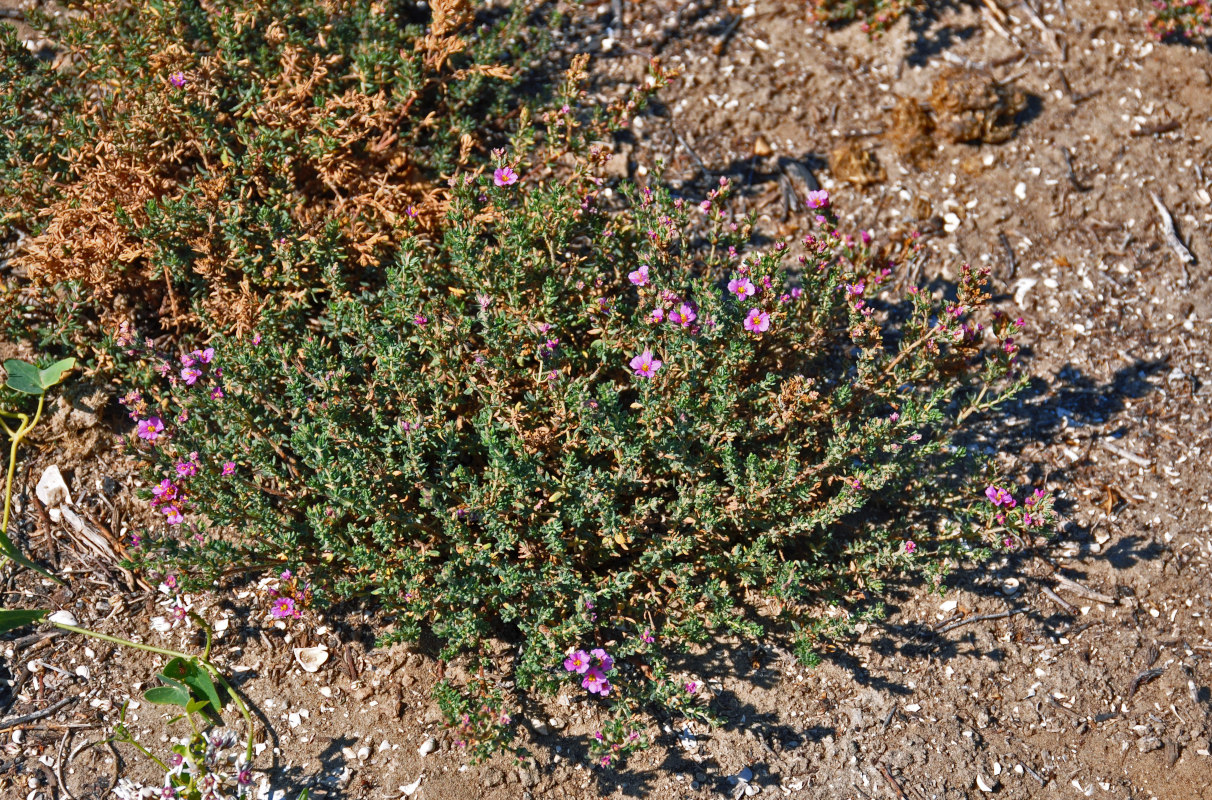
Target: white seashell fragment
311 658
52 491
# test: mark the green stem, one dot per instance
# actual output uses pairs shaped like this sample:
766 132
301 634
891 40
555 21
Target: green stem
211 668
22 429
128 739
124 642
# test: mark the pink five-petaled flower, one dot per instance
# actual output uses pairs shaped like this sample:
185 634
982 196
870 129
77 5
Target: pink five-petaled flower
217 393
741 287
190 375
578 662
173 514
229 467
657 315
186 469
596 682
757 321
818 199
647 637
910 546
1000 497
639 277
504 176
645 365
284 607
691 687
604 660
177 79
149 428
683 315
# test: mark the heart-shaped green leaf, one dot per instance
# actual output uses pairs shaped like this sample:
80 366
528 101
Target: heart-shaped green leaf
28 379
23 377
11 618
195 677
168 696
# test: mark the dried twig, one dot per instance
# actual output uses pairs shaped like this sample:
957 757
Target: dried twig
1056 598
1143 678
980 618
896 785
1073 586
9 724
1168 232
1122 453
1156 127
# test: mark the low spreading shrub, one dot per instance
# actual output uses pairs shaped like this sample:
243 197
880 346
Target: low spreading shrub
599 435
1181 20
874 16
190 166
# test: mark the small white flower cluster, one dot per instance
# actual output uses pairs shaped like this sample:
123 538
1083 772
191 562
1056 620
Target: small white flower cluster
209 767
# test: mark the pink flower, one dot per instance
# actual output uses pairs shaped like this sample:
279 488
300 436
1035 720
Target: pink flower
284 607
705 206
596 682
865 236
504 176
229 468
605 662
757 321
645 365
190 375
691 687
639 277
217 393
173 514
741 287
177 79
149 428
1000 497
684 315
578 662
647 637
818 199
165 491
186 469
657 315
910 546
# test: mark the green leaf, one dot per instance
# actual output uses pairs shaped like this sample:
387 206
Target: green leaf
195 677
54 373
168 696
195 706
23 377
28 379
11 618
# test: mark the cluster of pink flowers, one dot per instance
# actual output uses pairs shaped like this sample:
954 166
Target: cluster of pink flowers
593 666
170 499
289 596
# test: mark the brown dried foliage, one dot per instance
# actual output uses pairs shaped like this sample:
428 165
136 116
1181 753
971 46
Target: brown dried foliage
147 151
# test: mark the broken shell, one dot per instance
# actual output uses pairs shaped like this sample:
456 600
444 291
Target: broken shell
1010 586
428 746
311 658
411 788
984 785
63 618
52 491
